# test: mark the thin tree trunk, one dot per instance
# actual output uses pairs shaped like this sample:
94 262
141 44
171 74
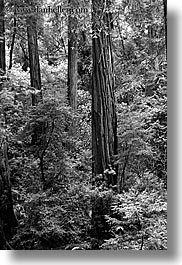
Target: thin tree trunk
12 45
72 57
34 56
2 40
165 22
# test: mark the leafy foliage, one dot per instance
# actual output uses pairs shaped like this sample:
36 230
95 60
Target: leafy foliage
138 217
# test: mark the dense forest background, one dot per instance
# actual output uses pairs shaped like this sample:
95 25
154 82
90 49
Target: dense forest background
83 125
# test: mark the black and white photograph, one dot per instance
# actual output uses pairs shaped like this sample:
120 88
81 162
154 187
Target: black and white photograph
83 125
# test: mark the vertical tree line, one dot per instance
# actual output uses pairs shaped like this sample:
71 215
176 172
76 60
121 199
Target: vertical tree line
13 39
35 76
72 56
2 39
104 121
165 22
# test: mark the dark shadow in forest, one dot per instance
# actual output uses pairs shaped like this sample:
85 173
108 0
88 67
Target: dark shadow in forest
173 181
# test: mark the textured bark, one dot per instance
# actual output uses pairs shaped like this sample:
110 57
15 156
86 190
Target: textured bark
2 39
104 121
165 22
34 56
72 57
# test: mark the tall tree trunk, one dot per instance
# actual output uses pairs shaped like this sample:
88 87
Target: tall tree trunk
34 56
165 22
2 40
72 57
12 45
39 134
35 76
104 121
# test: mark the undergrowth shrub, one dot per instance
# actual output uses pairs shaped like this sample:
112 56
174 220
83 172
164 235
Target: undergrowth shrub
54 219
138 219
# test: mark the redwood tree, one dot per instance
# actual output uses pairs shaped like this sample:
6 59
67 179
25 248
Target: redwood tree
2 39
72 57
165 22
104 121
33 55
39 132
